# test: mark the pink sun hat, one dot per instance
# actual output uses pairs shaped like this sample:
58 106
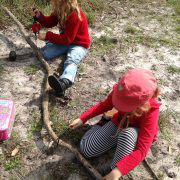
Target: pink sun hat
135 88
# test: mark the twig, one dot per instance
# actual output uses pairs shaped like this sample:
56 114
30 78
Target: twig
45 98
148 167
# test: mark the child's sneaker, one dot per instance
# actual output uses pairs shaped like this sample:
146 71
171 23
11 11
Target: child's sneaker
59 85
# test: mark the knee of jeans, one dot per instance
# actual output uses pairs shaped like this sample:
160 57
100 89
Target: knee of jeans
46 55
75 58
70 61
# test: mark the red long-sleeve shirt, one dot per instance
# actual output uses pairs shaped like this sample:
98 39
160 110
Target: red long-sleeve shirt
148 129
75 31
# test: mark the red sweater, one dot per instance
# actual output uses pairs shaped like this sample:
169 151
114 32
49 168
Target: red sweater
147 124
75 31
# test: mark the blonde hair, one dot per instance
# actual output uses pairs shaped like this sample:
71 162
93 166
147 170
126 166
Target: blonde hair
138 112
63 8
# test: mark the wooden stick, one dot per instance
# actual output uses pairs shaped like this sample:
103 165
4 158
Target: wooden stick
45 98
148 167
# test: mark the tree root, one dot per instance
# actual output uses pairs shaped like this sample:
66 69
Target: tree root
45 99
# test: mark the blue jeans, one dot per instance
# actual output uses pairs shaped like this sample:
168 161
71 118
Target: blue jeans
75 54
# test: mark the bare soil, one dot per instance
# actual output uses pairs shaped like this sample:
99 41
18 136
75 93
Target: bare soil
141 35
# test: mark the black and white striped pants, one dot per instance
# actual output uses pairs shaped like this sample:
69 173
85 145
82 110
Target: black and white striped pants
100 139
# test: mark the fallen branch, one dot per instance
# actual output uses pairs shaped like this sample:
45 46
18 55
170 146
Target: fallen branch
45 99
148 167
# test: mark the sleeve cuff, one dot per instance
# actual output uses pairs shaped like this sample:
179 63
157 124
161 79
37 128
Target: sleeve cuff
83 120
40 17
48 34
121 169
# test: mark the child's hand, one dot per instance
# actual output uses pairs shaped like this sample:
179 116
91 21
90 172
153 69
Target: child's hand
76 123
41 36
115 174
35 12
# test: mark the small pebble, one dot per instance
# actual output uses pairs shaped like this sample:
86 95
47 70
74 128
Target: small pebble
104 58
114 40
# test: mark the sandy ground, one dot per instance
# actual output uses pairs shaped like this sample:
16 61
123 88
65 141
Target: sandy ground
37 158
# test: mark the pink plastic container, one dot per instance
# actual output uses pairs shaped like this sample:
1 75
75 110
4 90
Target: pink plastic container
6 118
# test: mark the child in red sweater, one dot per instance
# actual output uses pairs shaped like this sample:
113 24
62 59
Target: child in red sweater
132 129
73 40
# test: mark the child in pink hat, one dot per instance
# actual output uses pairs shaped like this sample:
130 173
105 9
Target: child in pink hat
133 127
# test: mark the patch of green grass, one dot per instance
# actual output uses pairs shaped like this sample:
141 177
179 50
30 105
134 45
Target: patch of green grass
59 124
130 29
35 127
176 5
22 10
167 42
35 123
161 81
81 69
12 163
71 167
177 29
107 91
61 127
140 1
17 117
53 113
12 177
150 41
173 69
164 124
2 159
7 161
154 67
1 69
2 20
160 19
160 175
91 8
177 162
104 44
31 69
91 18
176 19
92 5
